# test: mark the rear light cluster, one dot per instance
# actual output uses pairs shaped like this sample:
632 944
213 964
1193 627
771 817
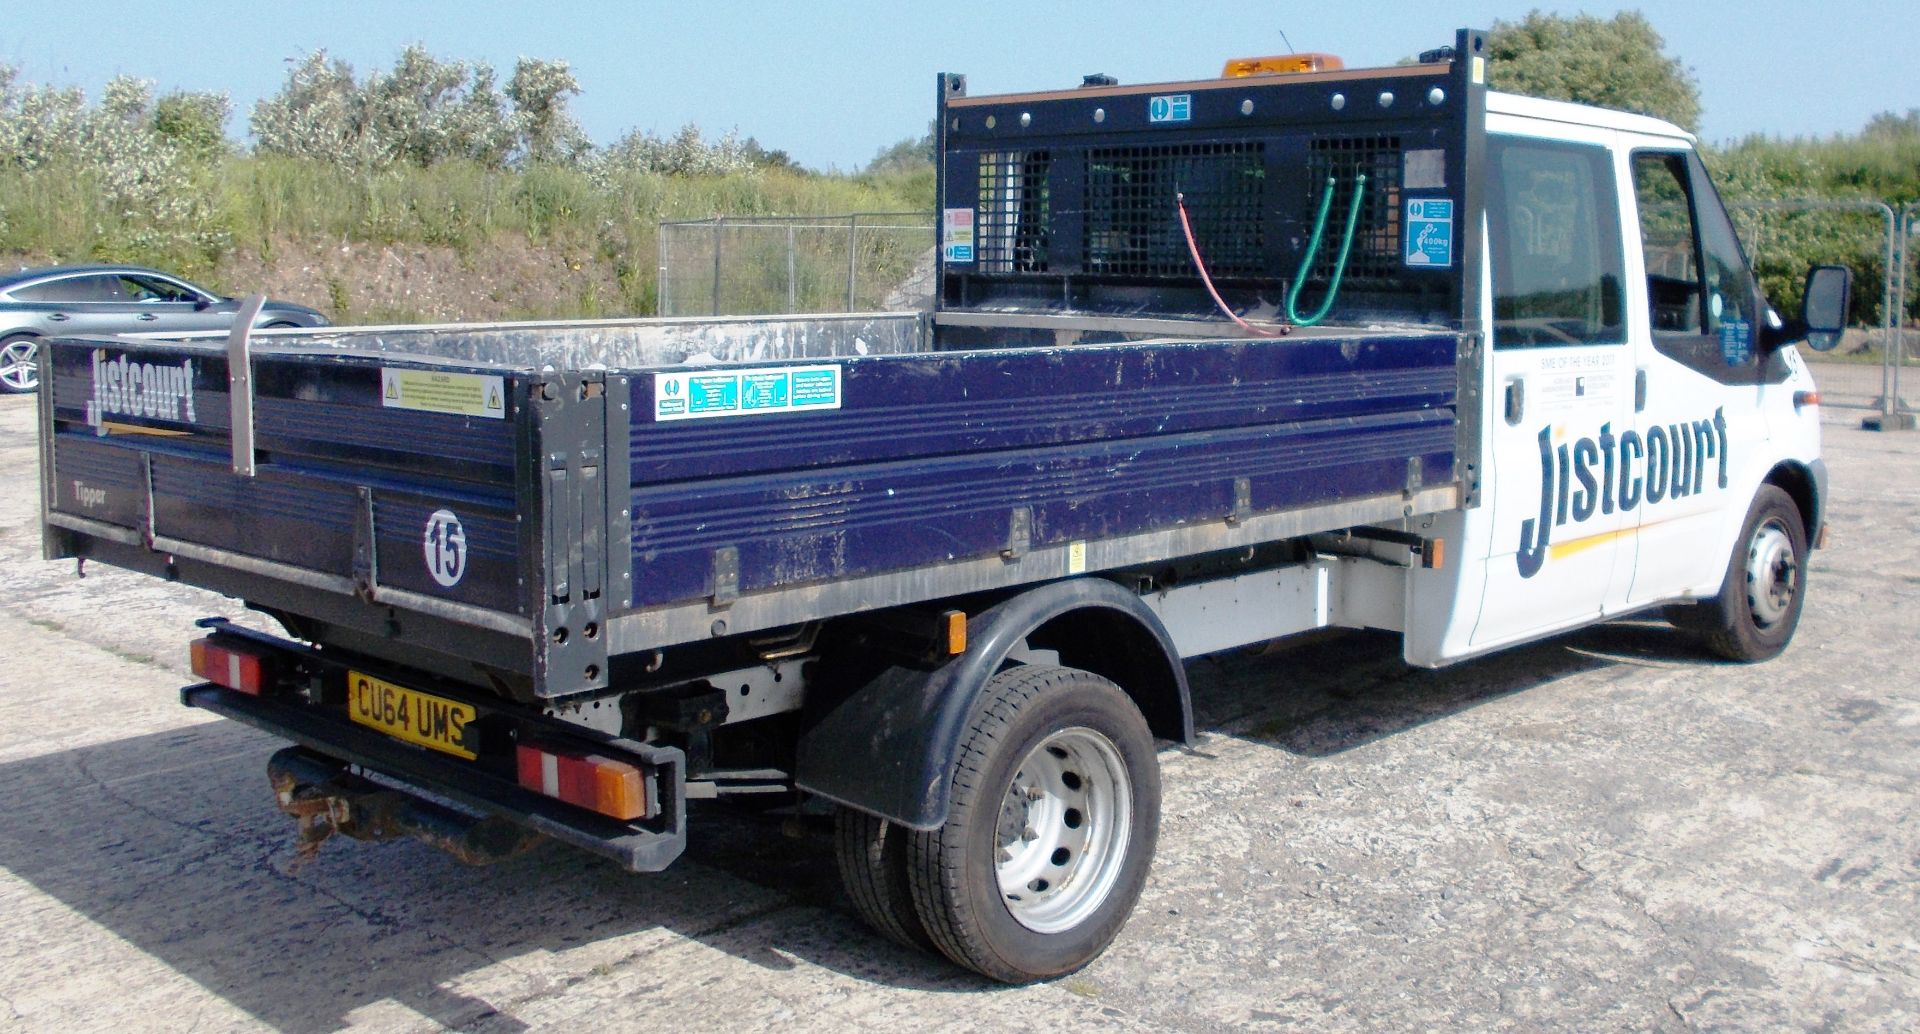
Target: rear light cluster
595 782
246 669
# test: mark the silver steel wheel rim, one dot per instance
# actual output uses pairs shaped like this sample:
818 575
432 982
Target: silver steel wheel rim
1064 827
1773 575
17 367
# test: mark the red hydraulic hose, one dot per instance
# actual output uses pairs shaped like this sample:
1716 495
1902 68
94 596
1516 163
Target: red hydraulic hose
1193 248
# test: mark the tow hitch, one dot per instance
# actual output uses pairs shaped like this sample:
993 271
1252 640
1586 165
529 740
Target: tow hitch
325 798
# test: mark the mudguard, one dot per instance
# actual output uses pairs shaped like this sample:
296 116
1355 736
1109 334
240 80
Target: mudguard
888 745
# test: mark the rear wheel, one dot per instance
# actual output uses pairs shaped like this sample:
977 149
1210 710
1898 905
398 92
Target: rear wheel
1753 617
19 364
872 854
1050 831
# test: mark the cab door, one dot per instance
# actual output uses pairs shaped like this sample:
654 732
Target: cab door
1704 379
1561 547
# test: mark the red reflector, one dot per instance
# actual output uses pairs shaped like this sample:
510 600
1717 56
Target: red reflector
592 781
234 667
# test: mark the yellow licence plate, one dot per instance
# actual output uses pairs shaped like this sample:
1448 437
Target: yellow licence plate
408 714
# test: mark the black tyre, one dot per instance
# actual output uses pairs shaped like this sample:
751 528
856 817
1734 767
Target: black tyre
872 853
19 364
1054 814
1753 617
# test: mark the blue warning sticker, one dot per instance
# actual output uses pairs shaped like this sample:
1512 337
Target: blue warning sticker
1736 341
709 393
1170 107
1429 232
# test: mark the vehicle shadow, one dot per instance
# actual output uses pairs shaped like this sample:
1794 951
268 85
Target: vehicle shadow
170 842
189 862
1324 694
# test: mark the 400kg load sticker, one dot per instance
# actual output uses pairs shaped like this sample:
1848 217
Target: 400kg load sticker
709 394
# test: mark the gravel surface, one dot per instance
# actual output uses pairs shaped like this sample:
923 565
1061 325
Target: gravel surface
1607 830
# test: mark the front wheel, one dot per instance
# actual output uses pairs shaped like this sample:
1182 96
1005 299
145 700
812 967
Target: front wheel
19 364
1753 617
1051 828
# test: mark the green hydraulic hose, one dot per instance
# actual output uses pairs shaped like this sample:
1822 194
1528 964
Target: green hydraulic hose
1313 248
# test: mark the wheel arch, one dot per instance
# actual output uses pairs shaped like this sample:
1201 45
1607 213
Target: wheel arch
1806 485
887 747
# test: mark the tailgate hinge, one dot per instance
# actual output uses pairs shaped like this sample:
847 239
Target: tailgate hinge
1019 533
1242 501
726 575
240 382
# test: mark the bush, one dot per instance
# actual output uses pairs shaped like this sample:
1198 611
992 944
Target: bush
1879 164
422 112
124 178
683 154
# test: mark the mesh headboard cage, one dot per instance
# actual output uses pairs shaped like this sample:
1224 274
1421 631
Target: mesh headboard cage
1066 201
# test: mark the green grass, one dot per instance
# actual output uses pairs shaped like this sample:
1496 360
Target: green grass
257 205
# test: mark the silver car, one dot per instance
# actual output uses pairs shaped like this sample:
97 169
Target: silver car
63 300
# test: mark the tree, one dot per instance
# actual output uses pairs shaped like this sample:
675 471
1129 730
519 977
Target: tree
407 111
539 91
763 158
1612 63
904 155
195 123
318 113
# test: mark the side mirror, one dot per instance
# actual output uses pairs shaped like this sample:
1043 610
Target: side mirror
202 303
1825 305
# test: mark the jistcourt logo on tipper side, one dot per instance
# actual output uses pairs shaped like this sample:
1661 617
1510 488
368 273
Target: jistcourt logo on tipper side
125 387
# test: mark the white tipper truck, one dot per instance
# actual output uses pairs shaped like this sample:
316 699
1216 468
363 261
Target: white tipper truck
938 573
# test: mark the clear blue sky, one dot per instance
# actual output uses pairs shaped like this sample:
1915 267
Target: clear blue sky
832 82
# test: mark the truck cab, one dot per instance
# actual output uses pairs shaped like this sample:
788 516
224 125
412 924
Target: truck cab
1637 395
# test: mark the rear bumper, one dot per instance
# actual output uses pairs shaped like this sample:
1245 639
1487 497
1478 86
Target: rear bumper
639 847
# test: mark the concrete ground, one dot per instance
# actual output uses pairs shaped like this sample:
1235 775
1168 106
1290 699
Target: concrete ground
1604 831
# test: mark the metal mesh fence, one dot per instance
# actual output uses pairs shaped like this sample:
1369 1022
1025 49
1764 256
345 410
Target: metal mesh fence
1906 390
751 265
755 265
1782 237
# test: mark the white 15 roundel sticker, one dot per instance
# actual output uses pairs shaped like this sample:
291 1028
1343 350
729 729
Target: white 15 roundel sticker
445 546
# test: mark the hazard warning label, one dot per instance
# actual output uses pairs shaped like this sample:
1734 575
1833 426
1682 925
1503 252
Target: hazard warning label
430 391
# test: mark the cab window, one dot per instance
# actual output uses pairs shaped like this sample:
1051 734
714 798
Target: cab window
1701 298
1558 268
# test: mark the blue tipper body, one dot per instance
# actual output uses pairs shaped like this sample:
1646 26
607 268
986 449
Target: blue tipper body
525 507
930 453
922 462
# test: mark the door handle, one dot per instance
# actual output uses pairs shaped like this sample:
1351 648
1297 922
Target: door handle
1516 401
148 316
59 317
1640 389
